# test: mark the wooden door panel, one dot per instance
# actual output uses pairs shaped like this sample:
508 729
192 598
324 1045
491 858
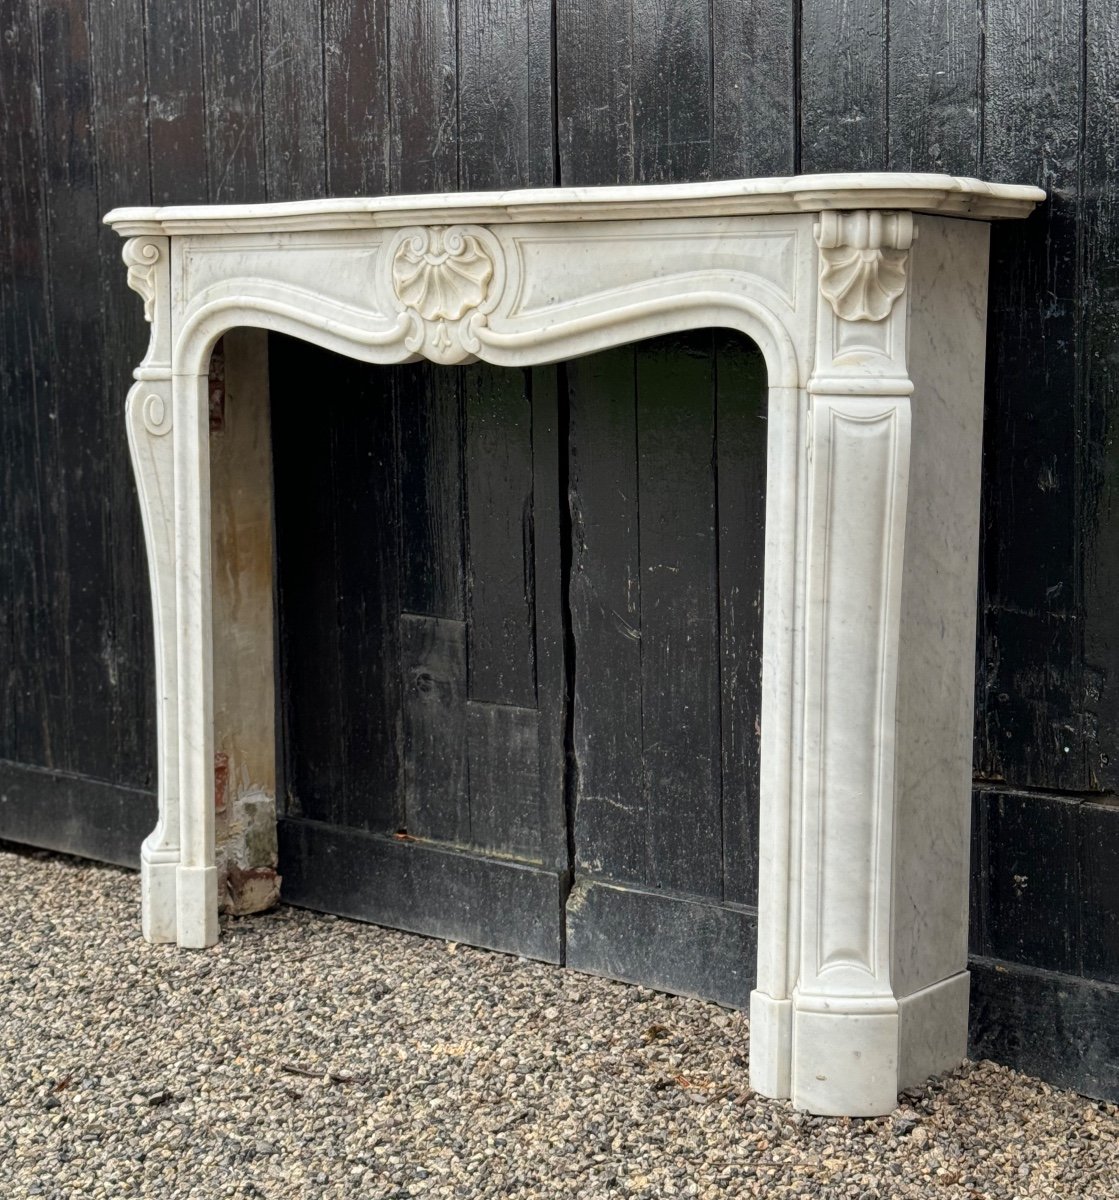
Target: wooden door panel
667 484
424 780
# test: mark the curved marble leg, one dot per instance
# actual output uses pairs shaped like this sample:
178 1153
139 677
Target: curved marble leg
150 443
167 420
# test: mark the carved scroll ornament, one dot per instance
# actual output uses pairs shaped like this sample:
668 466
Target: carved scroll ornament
863 260
141 256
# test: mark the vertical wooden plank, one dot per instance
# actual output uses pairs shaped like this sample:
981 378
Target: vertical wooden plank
549 442
30 653
292 70
356 96
1030 721
1032 880
1097 513
741 448
44 437
500 587
1097 932
423 66
176 112
234 96
307 583
605 599
429 421
754 83
366 522
595 92
672 97
337 538
934 63
843 72
542 155
121 149
503 748
504 94
679 614
433 669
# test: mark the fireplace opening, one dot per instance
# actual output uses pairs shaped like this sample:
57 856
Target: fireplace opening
517 640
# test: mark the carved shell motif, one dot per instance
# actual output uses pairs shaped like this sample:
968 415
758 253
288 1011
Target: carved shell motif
862 283
442 274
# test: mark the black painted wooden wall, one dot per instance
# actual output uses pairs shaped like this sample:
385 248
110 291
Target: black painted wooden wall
135 101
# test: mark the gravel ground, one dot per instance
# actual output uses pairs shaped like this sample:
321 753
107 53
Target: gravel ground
308 1056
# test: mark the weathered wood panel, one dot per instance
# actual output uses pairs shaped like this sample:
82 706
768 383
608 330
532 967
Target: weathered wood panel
1097 512
754 68
504 50
176 104
667 499
307 551
234 98
436 783
33 724
595 92
1031 725
499 527
605 598
740 444
365 510
844 102
423 109
934 62
429 407
291 66
681 796
425 888
356 97
116 687
1055 1026
672 110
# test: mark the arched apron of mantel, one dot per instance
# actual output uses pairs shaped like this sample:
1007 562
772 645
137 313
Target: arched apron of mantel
213 315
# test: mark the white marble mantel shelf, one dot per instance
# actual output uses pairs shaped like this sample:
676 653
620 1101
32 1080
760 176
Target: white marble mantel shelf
867 295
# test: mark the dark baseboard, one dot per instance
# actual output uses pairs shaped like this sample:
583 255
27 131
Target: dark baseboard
1062 1028
490 902
672 943
74 814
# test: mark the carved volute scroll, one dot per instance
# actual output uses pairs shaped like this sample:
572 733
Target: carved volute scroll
141 255
447 279
863 259
148 260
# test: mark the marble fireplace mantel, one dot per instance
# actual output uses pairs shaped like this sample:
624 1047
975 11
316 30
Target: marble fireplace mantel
867 295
